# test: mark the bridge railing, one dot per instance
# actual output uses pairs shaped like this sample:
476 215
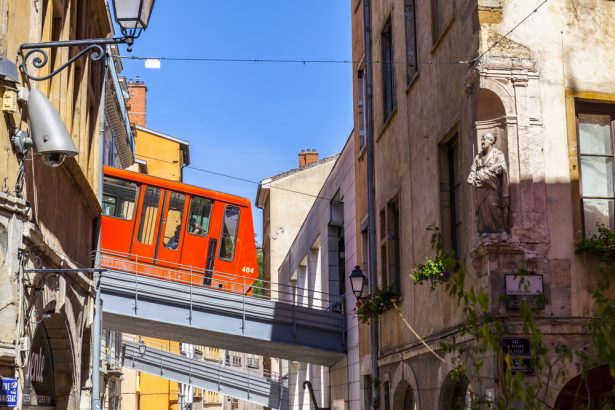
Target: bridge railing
141 266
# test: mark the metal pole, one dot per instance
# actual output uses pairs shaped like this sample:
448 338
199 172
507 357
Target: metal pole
371 194
96 348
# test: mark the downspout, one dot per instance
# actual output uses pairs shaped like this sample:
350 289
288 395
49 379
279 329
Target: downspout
371 195
97 320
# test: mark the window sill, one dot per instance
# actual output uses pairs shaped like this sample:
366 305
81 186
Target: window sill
412 82
386 124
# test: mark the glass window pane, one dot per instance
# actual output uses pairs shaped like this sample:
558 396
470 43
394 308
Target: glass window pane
119 198
595 134
229 233
200 214
173 225
149 214
597 176
597 212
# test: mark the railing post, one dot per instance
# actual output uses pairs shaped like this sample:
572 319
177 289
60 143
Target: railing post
243 317
160 356
190 314
293 311
136 284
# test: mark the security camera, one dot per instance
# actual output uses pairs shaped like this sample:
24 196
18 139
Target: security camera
48 132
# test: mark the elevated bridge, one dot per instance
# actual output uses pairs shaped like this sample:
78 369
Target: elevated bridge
186 312
265 391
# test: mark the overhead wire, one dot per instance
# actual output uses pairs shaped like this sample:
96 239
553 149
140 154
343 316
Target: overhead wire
332 61
221 174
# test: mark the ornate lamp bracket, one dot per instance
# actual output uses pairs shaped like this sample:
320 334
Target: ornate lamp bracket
37 54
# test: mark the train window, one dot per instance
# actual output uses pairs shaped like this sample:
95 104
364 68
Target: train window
119 198
173 226
200 212
147 227
229 233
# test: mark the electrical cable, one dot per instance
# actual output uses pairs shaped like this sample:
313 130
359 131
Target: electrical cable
324 61
239 178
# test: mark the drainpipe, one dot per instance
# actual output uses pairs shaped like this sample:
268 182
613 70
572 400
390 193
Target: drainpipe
97 321
371 194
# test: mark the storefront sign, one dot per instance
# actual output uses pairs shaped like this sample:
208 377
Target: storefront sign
39 389
8 392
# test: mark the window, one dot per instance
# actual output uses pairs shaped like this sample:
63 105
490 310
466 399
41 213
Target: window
236 361
390 246
441 15
450 195
252 362
119 198
411 51
229 233
361 113
173 225
595 125
388 71
147 226
364 247
200 214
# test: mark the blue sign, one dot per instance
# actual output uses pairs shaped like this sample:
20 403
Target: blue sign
8 392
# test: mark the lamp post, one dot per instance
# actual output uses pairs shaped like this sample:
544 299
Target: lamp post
131 15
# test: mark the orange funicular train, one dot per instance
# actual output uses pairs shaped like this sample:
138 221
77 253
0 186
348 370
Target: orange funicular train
178 232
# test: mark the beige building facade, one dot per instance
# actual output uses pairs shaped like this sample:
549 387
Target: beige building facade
48 216
444 74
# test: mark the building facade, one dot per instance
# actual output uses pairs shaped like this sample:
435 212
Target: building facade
48 216
445 74
315 272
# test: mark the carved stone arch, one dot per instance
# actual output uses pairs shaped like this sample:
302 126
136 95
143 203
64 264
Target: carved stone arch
502 91
492 117
454 393
592 389
45 309
406 387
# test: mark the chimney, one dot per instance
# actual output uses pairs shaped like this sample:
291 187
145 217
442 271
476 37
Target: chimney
137 103
307 157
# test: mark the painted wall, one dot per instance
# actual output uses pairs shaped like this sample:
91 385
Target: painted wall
163 156
536 73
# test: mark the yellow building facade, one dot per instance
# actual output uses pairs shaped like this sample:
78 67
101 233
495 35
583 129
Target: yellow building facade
163 155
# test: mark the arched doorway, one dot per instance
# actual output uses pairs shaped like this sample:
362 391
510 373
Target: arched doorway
403 398
593 390
454 393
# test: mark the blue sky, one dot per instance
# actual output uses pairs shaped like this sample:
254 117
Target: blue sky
248 120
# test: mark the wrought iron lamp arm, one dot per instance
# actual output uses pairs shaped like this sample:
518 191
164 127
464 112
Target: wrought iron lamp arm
36 52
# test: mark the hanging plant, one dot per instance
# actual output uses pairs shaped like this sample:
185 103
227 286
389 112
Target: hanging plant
375 304
432 270
601 244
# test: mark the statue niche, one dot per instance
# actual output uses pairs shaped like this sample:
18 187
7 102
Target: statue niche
489 176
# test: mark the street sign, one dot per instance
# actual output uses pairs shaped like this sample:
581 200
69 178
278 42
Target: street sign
8 392
522 364
516 346
524 285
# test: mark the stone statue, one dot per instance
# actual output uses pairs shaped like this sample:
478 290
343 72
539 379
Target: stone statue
490 177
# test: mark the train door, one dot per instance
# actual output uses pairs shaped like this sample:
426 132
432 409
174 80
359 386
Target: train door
227 259
197 236
169 244
148 218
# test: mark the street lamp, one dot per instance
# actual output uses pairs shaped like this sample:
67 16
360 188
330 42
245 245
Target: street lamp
357 282
131 15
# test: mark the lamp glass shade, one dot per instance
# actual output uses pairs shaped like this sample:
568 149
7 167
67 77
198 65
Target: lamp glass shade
357 281
133 14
